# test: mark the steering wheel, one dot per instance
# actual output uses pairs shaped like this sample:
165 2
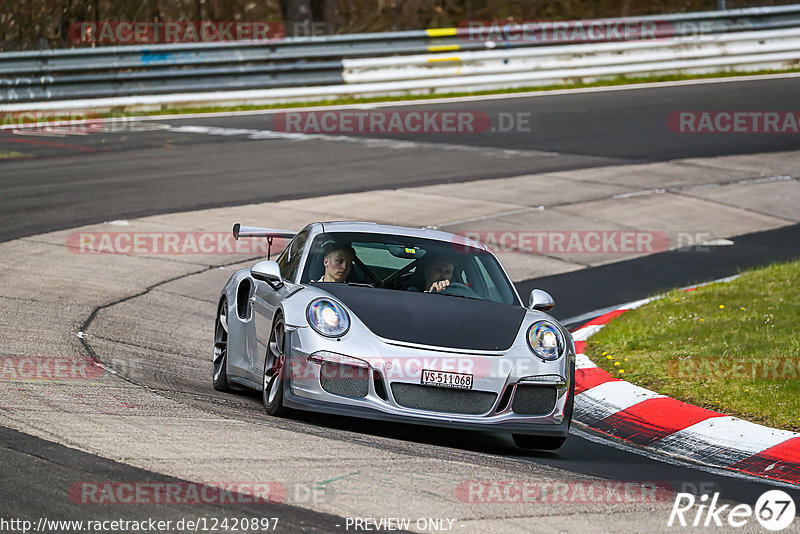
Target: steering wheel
460 290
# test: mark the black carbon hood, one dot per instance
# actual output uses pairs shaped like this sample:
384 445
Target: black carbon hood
430 319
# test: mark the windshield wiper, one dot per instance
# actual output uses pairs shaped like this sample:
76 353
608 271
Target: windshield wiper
360 284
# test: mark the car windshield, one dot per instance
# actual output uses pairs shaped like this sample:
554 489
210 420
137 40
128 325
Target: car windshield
412 264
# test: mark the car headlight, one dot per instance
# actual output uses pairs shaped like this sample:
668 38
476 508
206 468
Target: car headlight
327 317
545 340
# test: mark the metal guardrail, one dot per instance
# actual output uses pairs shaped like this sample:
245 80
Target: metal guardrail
724 51
398 62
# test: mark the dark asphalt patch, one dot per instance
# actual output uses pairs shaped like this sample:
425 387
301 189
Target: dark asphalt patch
586 290
38 476
142 173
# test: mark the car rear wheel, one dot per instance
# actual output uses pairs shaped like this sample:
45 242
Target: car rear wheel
544 443
220 357
274 365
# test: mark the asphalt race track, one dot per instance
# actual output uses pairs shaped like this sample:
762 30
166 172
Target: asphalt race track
38 476
76 180
631 280
177 165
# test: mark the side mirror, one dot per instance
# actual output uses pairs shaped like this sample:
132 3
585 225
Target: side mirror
541 300
267 271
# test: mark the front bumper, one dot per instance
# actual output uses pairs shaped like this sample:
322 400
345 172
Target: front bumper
513 425
495 374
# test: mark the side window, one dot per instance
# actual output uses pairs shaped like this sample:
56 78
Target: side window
283 260
484 284
497 288
290 257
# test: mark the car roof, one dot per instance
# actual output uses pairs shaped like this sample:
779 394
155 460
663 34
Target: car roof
377 228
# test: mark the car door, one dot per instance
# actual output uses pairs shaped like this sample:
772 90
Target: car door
266 298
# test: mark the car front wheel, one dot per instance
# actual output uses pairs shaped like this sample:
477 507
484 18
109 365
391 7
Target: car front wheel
274 370
220 356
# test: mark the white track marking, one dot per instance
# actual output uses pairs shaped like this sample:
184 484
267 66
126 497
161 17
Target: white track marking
368 141
610 398
636 303
725 437
716 243
582 334
584 317
665 457
583 362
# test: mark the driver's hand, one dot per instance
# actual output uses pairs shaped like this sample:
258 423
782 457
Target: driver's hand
441 285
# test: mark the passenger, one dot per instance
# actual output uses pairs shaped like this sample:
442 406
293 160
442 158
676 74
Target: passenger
438 272
338 262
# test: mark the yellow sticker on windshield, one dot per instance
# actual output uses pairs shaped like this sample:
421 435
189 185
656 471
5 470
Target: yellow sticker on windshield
411 250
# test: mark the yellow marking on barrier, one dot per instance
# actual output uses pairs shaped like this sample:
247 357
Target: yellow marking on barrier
441 32
444 48
440 59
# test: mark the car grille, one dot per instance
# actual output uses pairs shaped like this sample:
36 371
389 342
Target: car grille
344 380
534 400
448 400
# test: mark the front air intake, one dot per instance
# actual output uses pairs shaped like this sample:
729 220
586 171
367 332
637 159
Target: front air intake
534 399
344 380
446 400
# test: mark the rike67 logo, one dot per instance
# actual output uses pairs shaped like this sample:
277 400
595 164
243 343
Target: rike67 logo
774 510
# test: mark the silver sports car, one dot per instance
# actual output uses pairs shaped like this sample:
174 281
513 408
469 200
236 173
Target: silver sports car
398 324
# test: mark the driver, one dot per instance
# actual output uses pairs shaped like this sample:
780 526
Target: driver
438 272
338 262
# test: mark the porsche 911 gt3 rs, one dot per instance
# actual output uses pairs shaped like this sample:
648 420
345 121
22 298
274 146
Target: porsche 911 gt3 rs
386 344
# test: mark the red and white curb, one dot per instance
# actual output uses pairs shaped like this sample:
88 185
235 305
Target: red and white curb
637 415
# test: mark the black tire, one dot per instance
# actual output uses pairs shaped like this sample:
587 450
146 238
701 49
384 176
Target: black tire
220 356
274 371
568 409
544 443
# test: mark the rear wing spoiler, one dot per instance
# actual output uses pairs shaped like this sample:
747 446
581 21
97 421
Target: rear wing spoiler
252 231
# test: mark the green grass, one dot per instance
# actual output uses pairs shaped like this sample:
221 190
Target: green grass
620 80
733 347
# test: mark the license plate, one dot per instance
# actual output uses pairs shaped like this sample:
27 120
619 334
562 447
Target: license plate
444 379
